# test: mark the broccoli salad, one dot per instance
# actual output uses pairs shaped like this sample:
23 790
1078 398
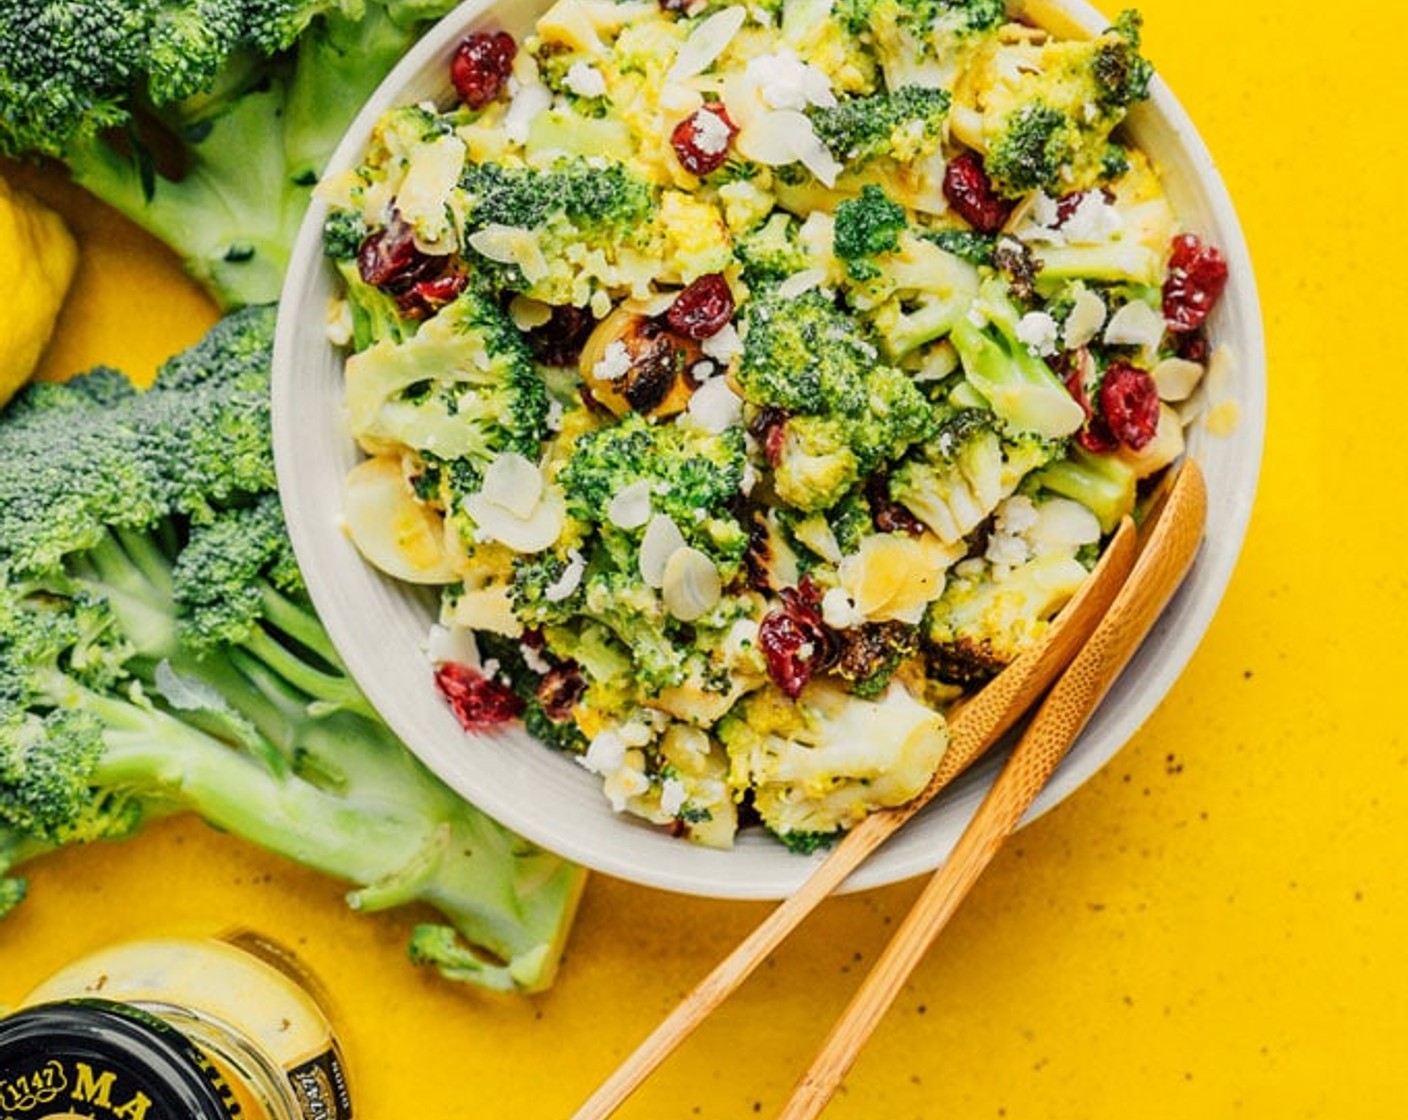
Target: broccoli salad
754 381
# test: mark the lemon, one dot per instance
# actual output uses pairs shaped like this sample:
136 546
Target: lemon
36 267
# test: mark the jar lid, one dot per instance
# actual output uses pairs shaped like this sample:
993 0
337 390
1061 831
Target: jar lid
106 1060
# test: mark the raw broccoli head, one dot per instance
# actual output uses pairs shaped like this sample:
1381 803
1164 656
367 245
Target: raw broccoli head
205 122
157 653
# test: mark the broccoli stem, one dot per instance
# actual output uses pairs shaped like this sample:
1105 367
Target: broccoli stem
403 838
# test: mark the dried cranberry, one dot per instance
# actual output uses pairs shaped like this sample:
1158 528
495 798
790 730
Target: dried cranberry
559 690
389 258
696 139
704 308
795 641
1197 273
1129 401
1095 434
428 296
480 66
479 703
1193 346
969 191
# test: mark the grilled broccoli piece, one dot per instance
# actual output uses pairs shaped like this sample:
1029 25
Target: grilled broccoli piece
998 604
818 764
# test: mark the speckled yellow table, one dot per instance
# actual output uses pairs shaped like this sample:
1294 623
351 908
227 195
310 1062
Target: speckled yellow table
1212 927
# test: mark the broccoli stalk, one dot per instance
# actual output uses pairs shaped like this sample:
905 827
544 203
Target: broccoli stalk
209 132
158 653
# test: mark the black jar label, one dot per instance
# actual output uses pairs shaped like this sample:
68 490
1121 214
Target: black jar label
62 1088
320 1085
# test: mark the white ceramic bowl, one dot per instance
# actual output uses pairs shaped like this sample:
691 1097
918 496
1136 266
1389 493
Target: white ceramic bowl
380 626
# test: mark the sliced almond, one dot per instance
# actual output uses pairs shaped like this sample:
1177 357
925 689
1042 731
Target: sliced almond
662 539
522 534
394 531
707 41
1176 378
513 482
690 586
1085 320
630 507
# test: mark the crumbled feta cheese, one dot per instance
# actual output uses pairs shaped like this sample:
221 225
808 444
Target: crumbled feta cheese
715 407
526 103
711 134
1093 220
614 363
452 644
535 661
784 81
672 796
585 80
1037 331
838 611
605 753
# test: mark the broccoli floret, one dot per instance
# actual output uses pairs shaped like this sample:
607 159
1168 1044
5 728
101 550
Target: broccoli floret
632 489
997 605
571 209
771 252
866 227
842 411
343 234
810 769
463 388
1013 381
691 476
250 99
158 653
965 244
923 42
903 124
1107 485
1051 129
955 479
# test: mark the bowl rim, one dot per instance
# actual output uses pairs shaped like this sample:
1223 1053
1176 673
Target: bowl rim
926 840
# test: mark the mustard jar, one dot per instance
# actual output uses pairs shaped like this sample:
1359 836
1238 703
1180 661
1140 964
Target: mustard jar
201 1028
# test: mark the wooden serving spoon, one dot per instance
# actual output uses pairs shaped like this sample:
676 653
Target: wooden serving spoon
1169 543
973 729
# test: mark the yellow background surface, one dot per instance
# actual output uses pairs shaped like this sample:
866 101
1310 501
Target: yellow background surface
1214 926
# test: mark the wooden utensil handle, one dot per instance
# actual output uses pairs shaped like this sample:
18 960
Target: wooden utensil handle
1158 572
